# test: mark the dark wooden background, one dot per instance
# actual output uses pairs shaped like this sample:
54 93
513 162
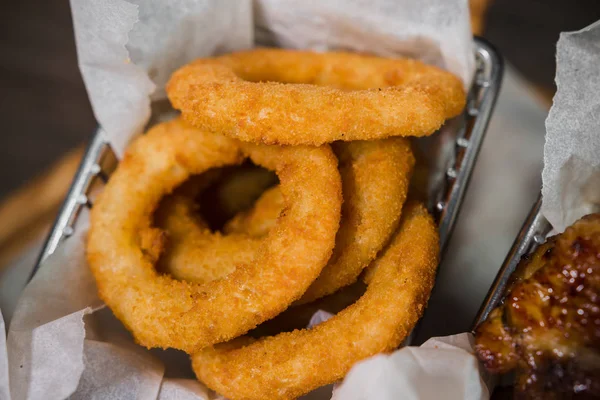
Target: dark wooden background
43 103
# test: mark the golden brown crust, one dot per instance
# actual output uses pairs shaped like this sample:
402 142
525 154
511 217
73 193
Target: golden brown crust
367 97
163 312
299 317
290 364
193 252
370 214
375 179
237 190
260 219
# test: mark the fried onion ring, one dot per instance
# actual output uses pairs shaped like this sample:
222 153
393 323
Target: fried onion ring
163 312
238 188
375 179
193 251
258 221
368 97
290 364
370 213
299 317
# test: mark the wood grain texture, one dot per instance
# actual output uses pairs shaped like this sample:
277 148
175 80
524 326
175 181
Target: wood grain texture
43 103
29 212
478 12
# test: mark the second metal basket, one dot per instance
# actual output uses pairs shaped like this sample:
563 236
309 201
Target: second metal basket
532 234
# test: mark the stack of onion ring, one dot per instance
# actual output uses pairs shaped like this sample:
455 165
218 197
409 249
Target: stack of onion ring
235 292
290 364
370 215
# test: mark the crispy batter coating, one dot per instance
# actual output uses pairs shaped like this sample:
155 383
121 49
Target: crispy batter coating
375 179
258 221
299 317
236 191
290 364
163 312
192 250
370 212
548 327
367 97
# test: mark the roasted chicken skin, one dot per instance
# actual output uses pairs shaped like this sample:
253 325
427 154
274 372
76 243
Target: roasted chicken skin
548 326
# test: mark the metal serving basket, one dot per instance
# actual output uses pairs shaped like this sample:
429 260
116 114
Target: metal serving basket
450 158
533 233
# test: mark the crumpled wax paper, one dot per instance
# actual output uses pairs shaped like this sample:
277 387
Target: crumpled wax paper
127 51
62 342
571 176
4 386
445 365
434 31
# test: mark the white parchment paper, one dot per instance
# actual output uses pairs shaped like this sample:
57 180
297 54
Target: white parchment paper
61 342
45 340
441 365
128 49
183 389
4 382
434 31
571 176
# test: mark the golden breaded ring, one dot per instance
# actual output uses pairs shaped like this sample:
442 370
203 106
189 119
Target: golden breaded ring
290 364
163 312
241 95
258 221
191 245
237 190
375 178
193 252
299 317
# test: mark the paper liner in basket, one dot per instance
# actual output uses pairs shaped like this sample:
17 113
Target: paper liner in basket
59 345
4 387
441 365
571 176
